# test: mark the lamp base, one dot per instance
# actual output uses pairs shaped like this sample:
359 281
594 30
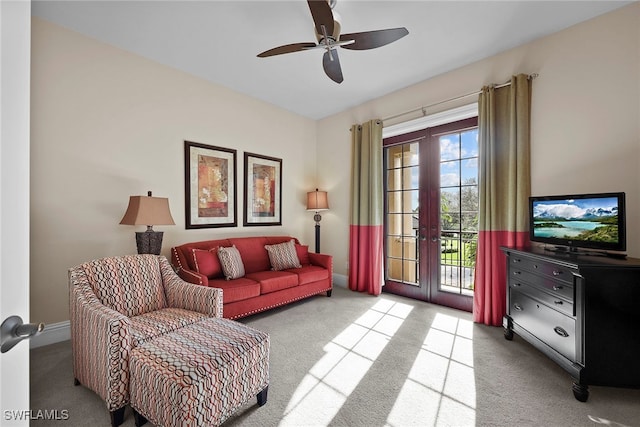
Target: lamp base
149 242
317 237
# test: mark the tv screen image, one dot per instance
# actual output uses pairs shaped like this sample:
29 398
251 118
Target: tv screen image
588 220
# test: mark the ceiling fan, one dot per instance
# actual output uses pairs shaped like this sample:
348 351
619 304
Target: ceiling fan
327 30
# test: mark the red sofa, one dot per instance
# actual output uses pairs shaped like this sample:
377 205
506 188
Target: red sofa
261 288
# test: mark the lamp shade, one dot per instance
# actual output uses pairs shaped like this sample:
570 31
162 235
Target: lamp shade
317 201
147 210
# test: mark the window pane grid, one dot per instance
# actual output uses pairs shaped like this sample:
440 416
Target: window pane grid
459 210
402 170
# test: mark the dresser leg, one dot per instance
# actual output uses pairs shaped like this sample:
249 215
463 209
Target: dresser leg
580 392
508 334
507 324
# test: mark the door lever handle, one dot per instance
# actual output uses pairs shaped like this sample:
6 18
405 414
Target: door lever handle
12 331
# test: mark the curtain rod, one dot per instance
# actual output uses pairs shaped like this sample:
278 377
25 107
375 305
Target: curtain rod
477 92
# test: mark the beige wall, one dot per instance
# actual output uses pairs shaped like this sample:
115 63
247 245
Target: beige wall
107 124
585 118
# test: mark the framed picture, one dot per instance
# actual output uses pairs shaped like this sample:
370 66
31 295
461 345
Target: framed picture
262 190
210 186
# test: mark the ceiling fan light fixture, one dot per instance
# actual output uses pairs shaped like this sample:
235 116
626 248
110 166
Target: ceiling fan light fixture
335 36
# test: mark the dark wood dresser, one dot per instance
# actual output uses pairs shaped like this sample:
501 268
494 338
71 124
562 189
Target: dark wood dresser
582 311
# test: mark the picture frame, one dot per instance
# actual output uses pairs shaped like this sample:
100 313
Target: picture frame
262 190
210 186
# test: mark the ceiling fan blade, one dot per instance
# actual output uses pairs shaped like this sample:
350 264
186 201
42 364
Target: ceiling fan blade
331 65
322 16
287 48
373 39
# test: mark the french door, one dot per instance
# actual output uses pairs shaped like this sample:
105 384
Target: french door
431 213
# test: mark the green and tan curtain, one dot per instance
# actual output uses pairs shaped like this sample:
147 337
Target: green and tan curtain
367 213
505 187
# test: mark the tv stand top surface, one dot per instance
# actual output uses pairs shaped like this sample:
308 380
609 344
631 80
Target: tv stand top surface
583 252
572 258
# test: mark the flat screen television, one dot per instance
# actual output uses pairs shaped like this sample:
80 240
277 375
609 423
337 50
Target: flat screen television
594 221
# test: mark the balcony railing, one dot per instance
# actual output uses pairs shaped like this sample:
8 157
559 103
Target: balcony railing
457 261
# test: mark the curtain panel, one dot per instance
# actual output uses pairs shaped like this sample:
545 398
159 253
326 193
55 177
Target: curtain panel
367 214
504 187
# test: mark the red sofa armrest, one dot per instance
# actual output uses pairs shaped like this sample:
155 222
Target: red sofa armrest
322 260
193 277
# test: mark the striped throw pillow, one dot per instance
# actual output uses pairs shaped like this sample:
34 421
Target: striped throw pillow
231 262
283 256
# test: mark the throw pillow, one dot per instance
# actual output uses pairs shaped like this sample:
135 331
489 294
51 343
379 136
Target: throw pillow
303 254
283 256
231 262
206 262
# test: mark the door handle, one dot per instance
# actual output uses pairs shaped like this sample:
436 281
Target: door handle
12 331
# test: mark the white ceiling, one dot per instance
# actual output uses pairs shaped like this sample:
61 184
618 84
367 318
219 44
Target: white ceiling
219 40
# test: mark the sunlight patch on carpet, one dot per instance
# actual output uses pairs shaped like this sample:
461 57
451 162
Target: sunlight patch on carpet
440 388
348 358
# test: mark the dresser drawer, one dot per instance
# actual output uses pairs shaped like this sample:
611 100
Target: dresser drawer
562 305
551 270
549 326
555 287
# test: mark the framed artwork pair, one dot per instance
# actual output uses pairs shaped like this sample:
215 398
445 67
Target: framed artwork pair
211 188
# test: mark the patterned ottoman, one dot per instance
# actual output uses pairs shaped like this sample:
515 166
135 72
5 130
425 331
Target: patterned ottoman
200 374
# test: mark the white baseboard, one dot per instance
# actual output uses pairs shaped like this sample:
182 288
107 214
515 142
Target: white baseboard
61 331
52 333
340 280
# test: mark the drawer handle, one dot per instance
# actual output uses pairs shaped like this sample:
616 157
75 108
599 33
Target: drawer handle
556 272
558 330
517 273
516 284
557 288
558 302
517 306
516 260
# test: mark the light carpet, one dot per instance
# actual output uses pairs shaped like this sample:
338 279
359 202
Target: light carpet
359 360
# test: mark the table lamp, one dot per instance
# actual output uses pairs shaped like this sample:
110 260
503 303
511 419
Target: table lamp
149 211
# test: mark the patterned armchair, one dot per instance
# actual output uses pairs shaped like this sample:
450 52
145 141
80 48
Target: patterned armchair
118 303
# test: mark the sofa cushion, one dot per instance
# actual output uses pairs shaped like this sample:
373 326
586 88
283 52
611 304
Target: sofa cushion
206 262
283 256
237 289
310 273
231 262
271 281
159 322
303 254
253 253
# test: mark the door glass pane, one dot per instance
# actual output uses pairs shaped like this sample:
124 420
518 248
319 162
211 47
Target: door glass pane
450 147
402 212
393 156
450 173
411 157
394 201
394 269
410 177
458 210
